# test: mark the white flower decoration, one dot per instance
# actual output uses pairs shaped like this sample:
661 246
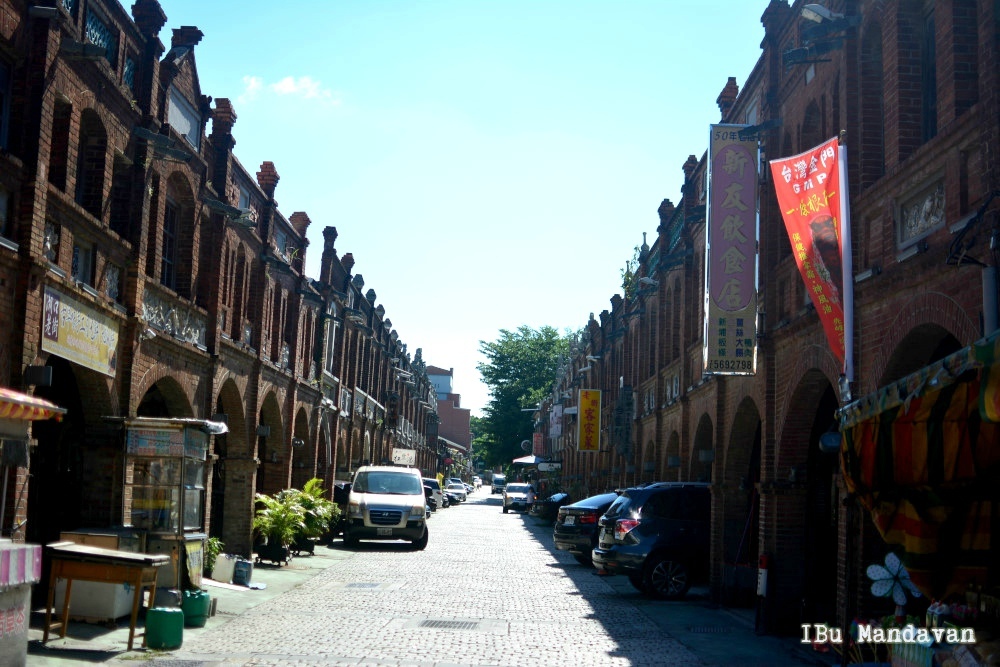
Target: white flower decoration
892 580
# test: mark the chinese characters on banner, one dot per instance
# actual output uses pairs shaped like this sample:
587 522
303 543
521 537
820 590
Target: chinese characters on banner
77 332
588 420
808 186
555 421
731 253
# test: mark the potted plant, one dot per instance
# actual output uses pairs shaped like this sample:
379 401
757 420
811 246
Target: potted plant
278 520
318 512
213 547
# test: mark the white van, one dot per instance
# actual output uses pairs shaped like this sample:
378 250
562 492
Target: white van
499 482
386 503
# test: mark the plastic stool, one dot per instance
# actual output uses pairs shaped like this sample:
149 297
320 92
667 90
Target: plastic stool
164 628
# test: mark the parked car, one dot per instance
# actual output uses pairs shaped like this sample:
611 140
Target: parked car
432 504
547 508
456 492
518 497
438 495
386 503
499 481
341 494
576 527
658 535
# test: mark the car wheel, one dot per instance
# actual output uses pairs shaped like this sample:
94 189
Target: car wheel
666 578
421 542
584 559
350 542
636 579
505 509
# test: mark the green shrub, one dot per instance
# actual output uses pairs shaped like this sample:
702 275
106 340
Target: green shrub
213 547
279 518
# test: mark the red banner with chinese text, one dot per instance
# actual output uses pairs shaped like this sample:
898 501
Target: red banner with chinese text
588 419
809 195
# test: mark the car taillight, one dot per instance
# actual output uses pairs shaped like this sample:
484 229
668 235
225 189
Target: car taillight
586 518
623 527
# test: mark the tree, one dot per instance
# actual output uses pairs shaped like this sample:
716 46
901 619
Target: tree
629 279
520 369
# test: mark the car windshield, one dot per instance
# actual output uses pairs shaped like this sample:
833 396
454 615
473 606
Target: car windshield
517 488
620 506
595 502
456 487
433 483
388 482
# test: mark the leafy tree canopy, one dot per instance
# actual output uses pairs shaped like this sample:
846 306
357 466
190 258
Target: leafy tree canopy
519 370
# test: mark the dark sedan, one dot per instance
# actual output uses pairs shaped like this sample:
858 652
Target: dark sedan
576 528
548 508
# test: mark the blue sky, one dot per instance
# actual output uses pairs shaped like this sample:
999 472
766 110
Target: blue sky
490 164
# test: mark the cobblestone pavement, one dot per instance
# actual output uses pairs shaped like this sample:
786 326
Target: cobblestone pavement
488 590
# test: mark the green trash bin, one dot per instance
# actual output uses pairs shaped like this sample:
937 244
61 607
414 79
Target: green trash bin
195 605
164 628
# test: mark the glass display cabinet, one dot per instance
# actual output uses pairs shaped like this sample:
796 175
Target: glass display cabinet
166 472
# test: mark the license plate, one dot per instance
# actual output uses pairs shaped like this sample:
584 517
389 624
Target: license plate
383 531
570 520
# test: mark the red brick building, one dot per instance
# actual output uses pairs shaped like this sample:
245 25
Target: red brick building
913 85
156 277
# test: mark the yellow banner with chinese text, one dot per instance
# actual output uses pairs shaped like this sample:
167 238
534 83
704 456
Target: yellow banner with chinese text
588 423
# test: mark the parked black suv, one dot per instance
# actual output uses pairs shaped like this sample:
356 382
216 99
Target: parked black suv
658 535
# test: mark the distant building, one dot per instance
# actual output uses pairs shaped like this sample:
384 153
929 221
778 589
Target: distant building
455 420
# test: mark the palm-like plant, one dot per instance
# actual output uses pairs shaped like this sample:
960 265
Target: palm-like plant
278 518
318 510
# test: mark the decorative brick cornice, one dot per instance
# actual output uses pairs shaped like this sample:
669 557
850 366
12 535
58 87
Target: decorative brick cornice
727 97
223 116
268 178
186 35
300 222
347 261
149 17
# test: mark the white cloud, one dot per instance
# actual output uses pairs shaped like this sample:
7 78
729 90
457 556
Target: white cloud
303 87
252 87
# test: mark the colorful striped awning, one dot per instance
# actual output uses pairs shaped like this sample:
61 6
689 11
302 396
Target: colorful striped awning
923 456
18 406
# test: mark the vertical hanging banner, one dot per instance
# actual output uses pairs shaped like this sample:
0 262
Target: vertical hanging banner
538 444
588 421
812 201
556 421
731 232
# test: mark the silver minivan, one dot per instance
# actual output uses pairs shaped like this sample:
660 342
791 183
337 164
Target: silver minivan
386 503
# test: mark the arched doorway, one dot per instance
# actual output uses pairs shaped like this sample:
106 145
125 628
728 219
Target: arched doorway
822 509
741 507
702 452
803 502
272 476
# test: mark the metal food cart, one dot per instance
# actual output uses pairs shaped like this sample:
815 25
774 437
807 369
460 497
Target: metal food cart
165 468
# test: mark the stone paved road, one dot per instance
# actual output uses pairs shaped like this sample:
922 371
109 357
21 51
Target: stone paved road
488 590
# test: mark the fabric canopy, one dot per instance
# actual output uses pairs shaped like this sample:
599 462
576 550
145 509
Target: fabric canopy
15 405
923 456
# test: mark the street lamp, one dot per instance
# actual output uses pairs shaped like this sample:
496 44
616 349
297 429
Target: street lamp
819 13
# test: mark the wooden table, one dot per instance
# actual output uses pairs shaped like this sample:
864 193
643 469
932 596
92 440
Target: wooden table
72 561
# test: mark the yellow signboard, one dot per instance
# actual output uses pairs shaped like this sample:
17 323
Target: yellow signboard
588 429
79 333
